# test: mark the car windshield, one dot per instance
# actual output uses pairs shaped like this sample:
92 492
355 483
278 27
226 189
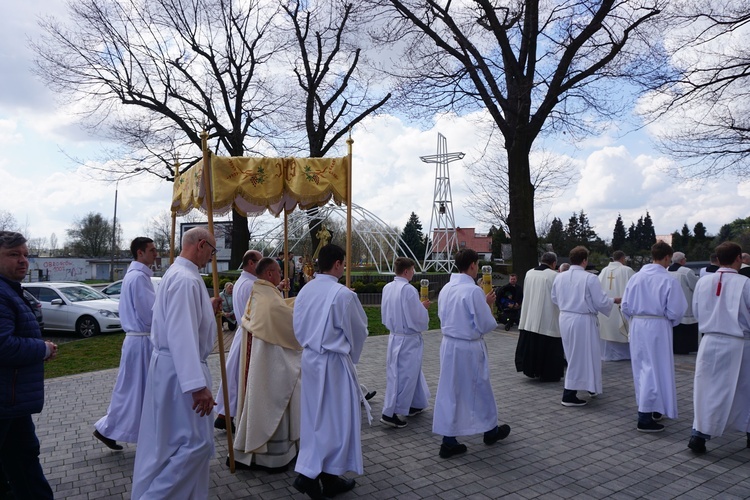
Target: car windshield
81 293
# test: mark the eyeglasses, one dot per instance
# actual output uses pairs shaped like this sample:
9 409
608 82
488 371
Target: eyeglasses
213 251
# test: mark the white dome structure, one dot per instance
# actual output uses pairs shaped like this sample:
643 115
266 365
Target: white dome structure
373 241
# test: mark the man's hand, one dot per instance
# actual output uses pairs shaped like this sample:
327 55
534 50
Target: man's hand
426 303
491 298
216 303
52 348
203 402
618 300
284 285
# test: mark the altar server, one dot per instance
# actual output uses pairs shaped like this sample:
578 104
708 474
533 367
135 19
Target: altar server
175 442
580 297
721 392
465 403
331 326
406 391
137 295
653 303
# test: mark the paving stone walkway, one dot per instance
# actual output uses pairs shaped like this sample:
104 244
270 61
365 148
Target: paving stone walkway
552 452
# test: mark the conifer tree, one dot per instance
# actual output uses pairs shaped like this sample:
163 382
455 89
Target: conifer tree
413 237
556 237
619 236
648 236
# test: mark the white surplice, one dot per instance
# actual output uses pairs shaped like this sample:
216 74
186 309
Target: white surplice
653 303
688 280
721 392
331 326
464 403
175 444
241 292
123 417
612 328
580 297
406 318
538 313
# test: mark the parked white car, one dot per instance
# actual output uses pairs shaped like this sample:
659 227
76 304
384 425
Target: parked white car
75 307
113 291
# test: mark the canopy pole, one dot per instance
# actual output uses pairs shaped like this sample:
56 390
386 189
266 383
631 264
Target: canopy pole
207 183
285 260
349 143
171 238
174 216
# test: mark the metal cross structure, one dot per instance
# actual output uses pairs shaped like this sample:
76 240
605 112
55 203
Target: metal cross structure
443 242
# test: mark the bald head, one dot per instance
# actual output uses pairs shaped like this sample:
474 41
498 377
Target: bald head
194 236
198 246
746 258
250 261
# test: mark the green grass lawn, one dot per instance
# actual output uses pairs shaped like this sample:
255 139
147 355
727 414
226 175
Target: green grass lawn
86 355
103 351
376 327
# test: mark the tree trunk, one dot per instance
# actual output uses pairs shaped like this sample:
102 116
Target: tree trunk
240 239
521 223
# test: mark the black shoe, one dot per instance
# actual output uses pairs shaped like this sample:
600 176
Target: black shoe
333 485
310 487
221 423
496 434
508 325
370 395
239 465
393 421
650 427
656 416
413 412
109 443
574 401
449 450
697 444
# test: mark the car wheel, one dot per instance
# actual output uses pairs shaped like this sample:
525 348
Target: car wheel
86 326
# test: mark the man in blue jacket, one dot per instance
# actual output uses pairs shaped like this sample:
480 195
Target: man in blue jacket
22 356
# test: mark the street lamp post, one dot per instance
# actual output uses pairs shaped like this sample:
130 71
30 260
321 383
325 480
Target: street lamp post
114 223
114 237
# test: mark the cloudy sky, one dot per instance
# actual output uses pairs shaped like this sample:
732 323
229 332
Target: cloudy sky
45 190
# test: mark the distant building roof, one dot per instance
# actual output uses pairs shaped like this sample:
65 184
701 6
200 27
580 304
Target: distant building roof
467 238
666 238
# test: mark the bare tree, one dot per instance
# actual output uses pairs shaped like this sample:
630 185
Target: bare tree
37 246
156 73
8 221
704 106
489 201
335 92
52 245
159 229
536 67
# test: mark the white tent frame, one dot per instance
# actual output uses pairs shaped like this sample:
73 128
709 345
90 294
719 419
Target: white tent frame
387 241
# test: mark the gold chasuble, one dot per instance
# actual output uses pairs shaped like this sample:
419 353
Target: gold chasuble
269 399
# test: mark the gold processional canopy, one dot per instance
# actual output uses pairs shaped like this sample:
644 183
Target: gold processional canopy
254 185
